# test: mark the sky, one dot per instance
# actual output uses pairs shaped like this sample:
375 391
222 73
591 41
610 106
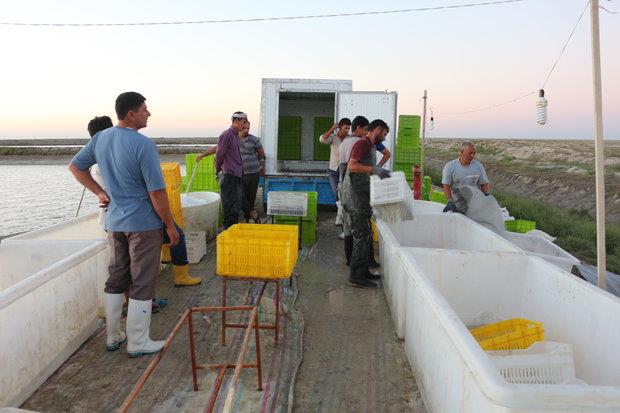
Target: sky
54 79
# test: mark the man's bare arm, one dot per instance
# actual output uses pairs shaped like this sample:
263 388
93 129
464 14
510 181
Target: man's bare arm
447 191
86 179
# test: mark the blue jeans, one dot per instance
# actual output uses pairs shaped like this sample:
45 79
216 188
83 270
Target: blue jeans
334 178
178 253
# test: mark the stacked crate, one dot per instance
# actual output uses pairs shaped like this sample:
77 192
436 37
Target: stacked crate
321 150
308 222
205 178
408 146
289 138
172 178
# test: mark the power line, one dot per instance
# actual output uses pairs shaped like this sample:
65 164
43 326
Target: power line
263 19
493 106
570 36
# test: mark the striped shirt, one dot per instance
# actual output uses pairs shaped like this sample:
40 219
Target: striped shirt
249 154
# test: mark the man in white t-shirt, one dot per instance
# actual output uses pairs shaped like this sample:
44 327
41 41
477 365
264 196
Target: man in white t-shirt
334 137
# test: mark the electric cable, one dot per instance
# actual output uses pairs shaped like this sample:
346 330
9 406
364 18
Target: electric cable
264 19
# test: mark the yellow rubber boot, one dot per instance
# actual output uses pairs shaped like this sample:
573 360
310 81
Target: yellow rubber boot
165 255
182 277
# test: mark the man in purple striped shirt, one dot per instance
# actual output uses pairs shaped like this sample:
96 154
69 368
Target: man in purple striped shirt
228 161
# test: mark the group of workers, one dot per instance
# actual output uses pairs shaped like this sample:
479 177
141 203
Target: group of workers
122 168
352 161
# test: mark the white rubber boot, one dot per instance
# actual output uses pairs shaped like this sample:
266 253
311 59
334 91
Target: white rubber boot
138 323
339 214
113 311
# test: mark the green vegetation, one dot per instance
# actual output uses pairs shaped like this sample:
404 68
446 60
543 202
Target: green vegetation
575 230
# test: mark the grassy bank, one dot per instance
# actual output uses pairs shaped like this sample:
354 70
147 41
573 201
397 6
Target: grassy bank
575 230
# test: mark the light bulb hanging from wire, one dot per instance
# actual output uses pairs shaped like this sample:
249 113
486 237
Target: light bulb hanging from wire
541 108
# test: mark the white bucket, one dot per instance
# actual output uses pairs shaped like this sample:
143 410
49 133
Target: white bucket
201 212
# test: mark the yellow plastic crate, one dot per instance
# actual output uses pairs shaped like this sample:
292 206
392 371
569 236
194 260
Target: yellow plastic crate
513 334
290 228
375 232
172 174
260 253
174 199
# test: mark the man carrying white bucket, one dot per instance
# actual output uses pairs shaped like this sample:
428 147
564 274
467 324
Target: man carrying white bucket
137 205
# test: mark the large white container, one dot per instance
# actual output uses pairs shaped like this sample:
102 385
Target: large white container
85 227
203 214
421 207
447 289
543 248
309 98
452 231
48 308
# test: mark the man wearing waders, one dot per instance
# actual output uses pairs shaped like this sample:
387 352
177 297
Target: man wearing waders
361 165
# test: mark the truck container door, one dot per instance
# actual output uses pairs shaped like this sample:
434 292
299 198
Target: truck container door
372 105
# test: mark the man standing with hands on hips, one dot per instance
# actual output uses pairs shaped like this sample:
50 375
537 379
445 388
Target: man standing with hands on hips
138 204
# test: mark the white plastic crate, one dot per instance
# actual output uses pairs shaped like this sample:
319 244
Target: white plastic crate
389 190
544 362
287 203
196 242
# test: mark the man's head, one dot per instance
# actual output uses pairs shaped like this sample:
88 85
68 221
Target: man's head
243 133
99 123
238 120
358 126
344 126
377 131
131 110
468 152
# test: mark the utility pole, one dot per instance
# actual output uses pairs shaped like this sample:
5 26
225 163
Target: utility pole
422 141
599 161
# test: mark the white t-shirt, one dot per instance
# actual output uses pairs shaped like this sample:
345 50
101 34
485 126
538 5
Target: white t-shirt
95 172
344 152
334 142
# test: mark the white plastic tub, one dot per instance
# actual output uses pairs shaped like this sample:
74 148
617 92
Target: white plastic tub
203 217
452 231
446 290
427 207
86 227
543 248
48 308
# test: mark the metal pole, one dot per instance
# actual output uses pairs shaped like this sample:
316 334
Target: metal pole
423 135
599 162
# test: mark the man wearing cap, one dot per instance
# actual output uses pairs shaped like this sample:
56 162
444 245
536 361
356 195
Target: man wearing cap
228 162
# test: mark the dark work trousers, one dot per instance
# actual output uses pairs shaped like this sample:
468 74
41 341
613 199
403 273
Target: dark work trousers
250 186
360 223
178 253
230 193
134 262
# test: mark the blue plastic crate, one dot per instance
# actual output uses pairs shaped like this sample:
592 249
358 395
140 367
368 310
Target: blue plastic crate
319 185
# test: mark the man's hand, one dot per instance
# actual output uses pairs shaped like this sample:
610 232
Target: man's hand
104 199
450 207
199 158
380 172
173 235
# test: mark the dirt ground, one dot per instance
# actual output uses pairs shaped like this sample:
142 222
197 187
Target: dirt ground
559 172
338 349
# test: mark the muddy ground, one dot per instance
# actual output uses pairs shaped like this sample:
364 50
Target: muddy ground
559 172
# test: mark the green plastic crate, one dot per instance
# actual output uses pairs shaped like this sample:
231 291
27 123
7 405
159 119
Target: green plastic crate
308 233
427 187
409 155
409 121
321 125
205 176
289 138
438 196
406 168
520 225
313 198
